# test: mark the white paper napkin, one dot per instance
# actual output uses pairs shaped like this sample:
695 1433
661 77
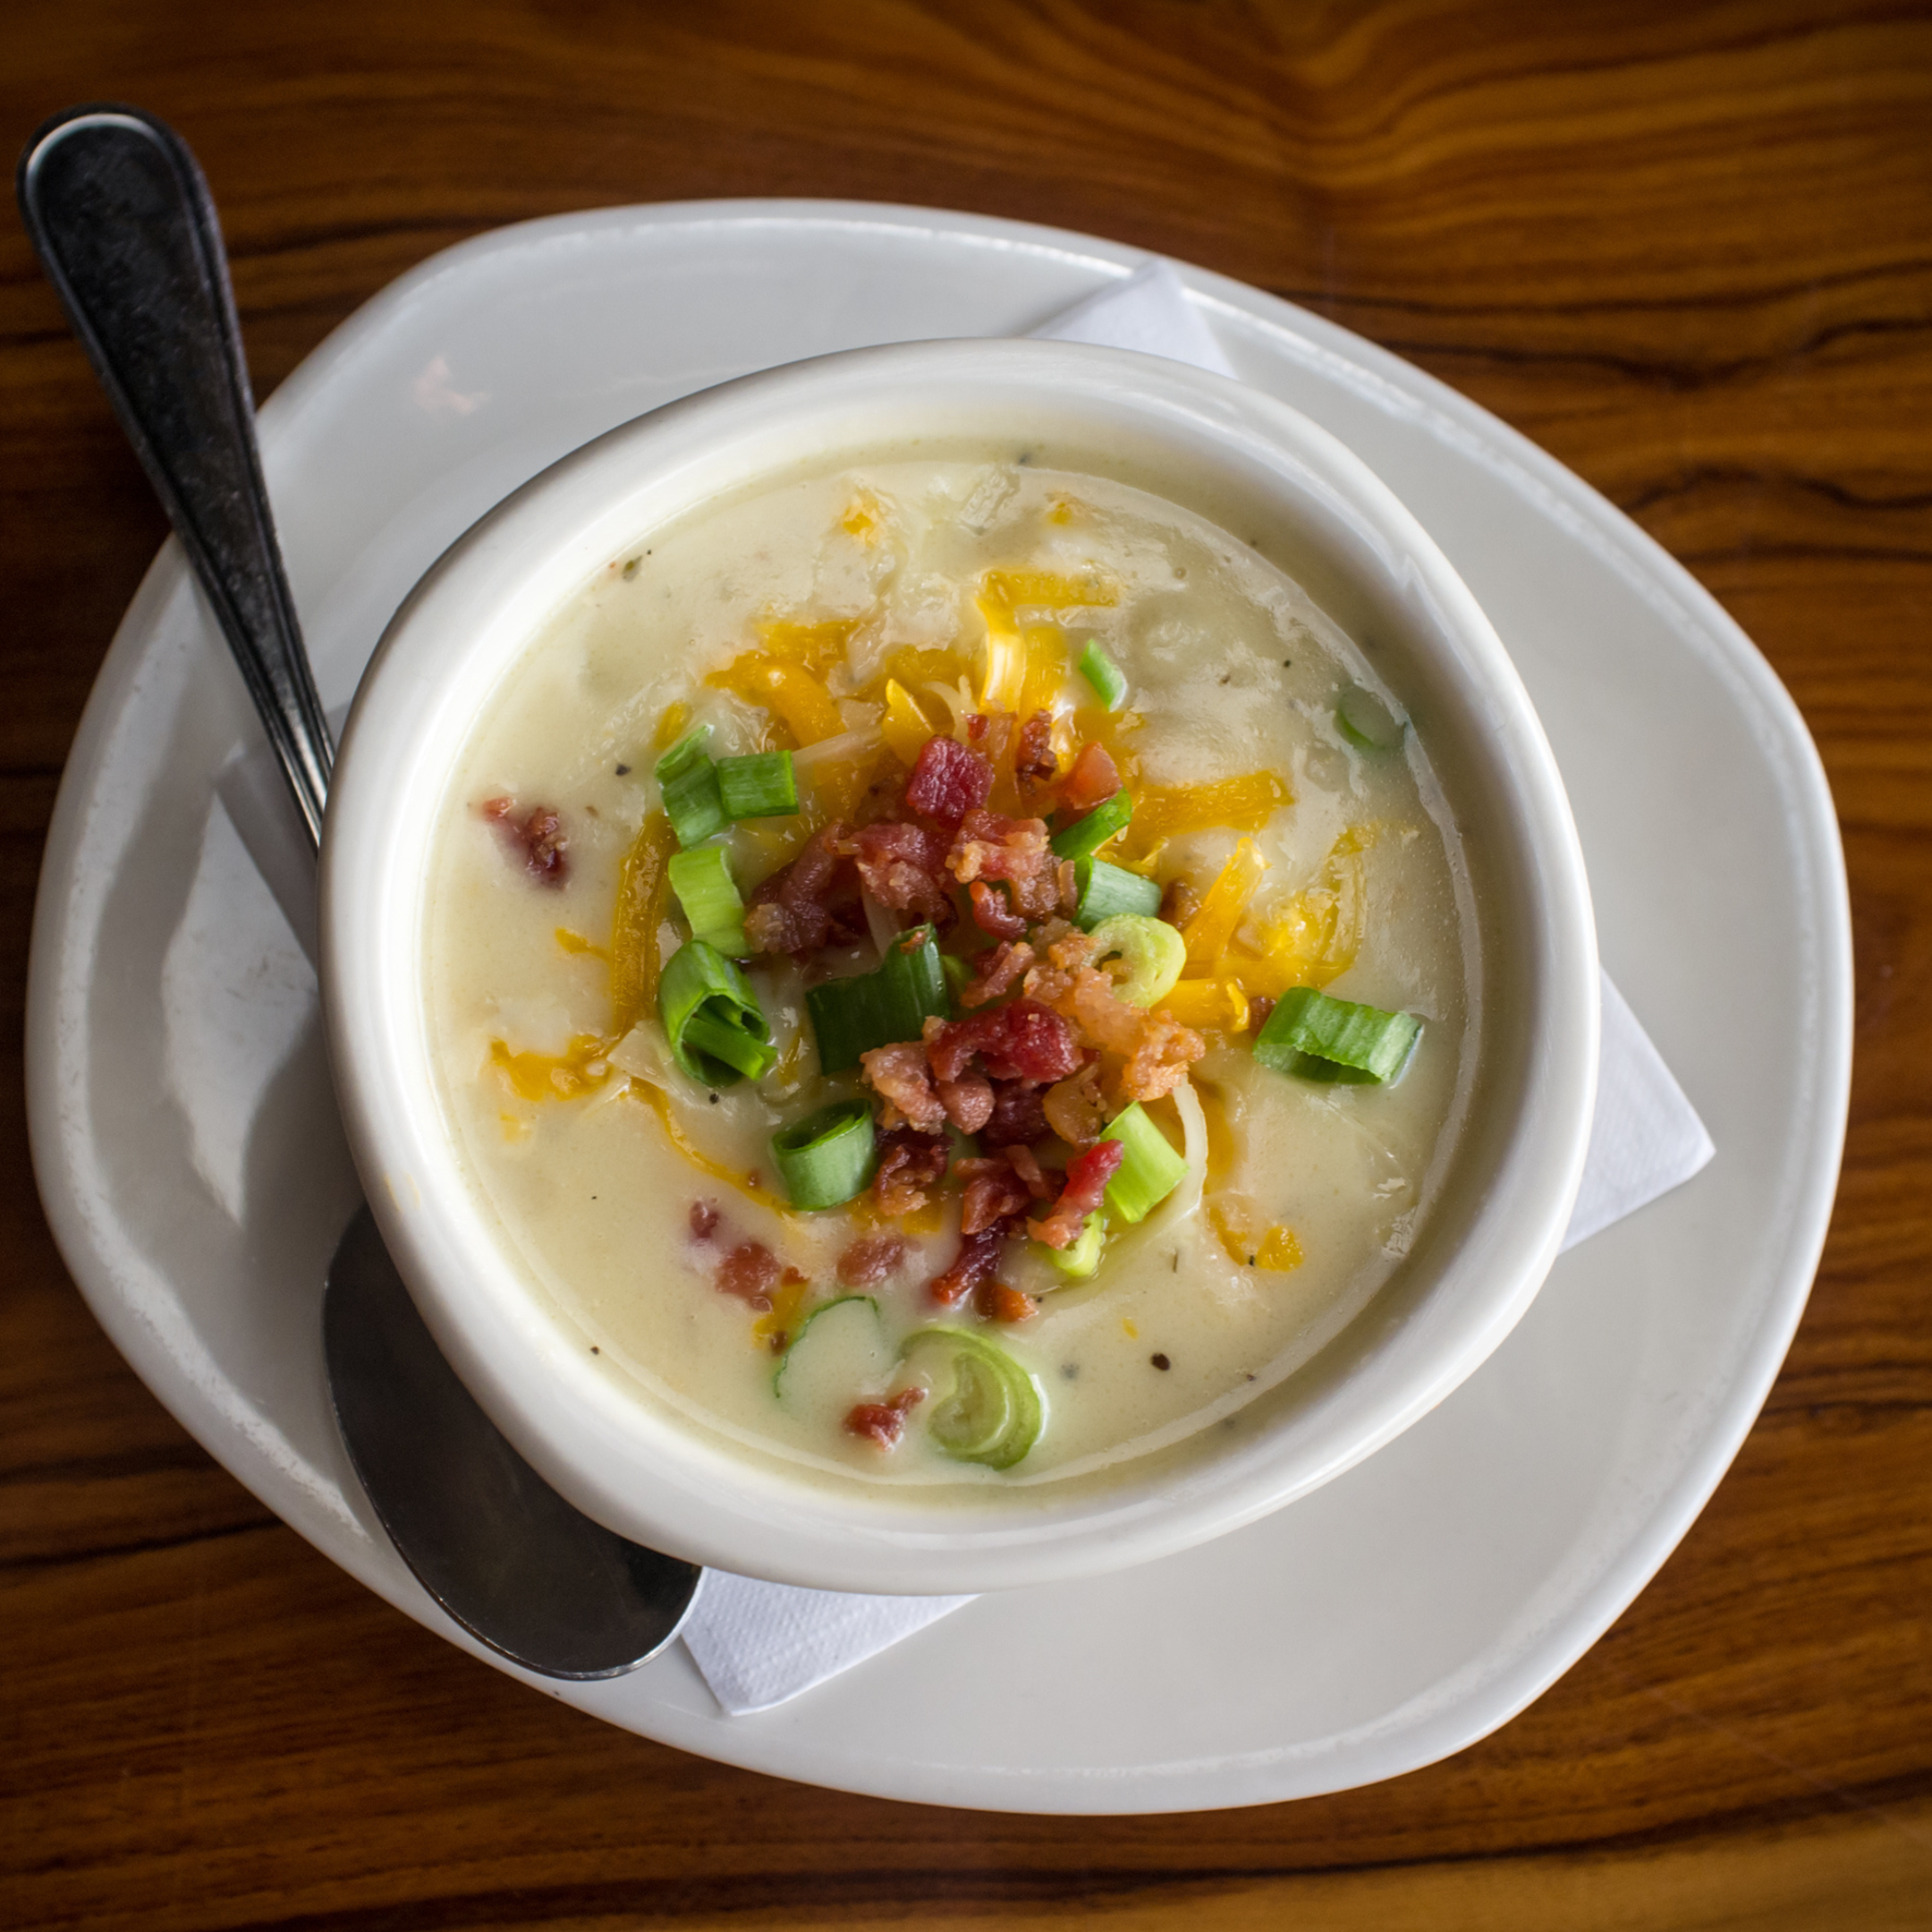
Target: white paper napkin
759 1644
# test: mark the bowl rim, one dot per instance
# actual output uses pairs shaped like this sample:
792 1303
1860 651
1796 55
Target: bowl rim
648 1477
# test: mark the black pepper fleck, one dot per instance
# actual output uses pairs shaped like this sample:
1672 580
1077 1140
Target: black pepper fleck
714 1100
1160 1361
623 771
1069 1371
595 1350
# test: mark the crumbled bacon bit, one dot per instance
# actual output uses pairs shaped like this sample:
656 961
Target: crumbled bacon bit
976 1262
993 912
1094 777
948 781
1023 1040
1260 1006
1160 1062
1074 1108
997 1303
539 835
968 1101
882 1423
1029 1171
1018 1117
1156 1047
995 974
1180 903
704 1220
903 866
1087 1177
910 1163
990 731
1034 763
901 1078
870 1260
804 905
750 1271
991 846
1101 1014
1057 932
995 1193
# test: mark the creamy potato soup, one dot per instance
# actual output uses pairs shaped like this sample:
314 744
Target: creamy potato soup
949 972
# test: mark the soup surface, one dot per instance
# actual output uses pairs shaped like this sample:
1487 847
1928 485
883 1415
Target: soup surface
1082 978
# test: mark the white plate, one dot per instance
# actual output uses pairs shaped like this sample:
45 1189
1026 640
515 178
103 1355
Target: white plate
187 1148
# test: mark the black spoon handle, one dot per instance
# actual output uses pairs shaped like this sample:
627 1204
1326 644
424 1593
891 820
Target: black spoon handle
122 221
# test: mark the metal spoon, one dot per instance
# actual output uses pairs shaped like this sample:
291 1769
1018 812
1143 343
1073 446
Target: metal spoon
122 221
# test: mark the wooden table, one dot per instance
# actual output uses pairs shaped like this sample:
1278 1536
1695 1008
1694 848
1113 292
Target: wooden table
1689 249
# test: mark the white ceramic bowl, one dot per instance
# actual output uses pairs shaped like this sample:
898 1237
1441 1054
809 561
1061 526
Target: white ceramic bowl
1197 439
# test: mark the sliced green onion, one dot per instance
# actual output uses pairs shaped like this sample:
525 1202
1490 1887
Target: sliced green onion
990 1411
688 782
1108 681
1078 1259
1347 1040
708 1038
851 1016
827 1157
711 1018
702 880
957 973
761 786
1154 953
1106 889
1149 1169
846 1020
912 984
825 1370
1367 721
1085 837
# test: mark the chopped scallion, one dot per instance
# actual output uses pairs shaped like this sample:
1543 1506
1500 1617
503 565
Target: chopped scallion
1153 951
1106 890
913 983
763 785
1149 1169
828 1158
701 878
711 1018
1085 837
707 1036
1105 676
856 1326
851 1016
1321 1037
1080 1258
1366 721
846 1020
688 782
988 1409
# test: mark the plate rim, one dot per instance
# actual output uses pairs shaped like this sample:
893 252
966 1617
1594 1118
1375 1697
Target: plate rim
1397 386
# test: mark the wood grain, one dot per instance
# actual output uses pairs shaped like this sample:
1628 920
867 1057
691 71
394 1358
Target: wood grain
1686 248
